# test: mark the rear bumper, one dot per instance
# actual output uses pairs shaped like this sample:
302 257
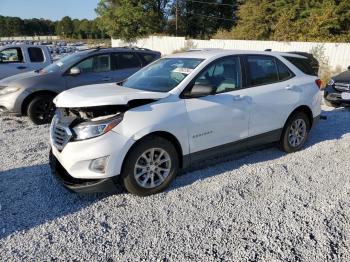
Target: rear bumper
81 185
334 96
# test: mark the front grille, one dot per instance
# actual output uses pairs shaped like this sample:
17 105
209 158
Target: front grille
61 135
342 86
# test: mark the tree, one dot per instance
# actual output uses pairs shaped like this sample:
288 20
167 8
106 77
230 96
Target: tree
130 19
65 27
202 18
14 26
286 20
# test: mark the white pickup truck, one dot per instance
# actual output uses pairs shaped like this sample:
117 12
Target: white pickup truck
17 59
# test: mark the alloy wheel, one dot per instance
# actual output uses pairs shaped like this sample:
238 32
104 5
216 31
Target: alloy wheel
297 133
152 168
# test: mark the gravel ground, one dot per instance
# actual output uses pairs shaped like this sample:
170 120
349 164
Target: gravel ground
263 206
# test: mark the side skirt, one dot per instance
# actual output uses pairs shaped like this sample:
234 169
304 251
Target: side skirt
231 148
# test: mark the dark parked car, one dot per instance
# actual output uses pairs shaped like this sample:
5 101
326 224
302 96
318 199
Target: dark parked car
32 93
337 91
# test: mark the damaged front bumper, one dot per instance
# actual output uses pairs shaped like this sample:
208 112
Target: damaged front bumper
81 185
335 97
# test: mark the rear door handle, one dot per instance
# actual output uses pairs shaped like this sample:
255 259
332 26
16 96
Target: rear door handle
290 87
239 97
21 67
107 79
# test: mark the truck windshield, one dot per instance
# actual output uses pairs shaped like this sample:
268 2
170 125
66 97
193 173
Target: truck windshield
63 64
163 75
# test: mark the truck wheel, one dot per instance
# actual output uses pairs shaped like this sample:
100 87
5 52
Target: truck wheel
41 109
150 166
295 132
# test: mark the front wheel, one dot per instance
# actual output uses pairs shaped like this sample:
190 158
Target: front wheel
150 166
41 109
295 133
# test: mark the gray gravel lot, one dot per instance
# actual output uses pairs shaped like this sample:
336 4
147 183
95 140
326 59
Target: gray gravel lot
263 206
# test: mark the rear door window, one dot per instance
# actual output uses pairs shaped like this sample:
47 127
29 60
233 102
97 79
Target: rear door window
261 69
302 64
125 60
284 72
36 55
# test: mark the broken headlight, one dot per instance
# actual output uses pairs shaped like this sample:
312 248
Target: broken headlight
96 127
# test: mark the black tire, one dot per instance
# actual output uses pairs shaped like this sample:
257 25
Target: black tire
331 104
128 175
285 143
41 109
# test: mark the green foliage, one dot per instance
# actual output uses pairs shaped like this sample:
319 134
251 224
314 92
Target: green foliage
14 26
201 19
287 20
65 27
130 19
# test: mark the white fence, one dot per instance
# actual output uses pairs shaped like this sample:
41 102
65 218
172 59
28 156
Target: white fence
338 54
30 38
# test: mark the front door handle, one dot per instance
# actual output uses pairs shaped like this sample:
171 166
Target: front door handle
239 97
21 67
107 79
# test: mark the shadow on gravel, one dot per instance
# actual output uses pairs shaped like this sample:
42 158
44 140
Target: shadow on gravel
334 127
30 196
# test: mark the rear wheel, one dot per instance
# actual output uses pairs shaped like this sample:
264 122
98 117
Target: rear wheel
150 166
295 132
41 109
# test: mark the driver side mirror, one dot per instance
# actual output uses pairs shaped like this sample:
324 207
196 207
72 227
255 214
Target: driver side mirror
200 91
74 71
348 67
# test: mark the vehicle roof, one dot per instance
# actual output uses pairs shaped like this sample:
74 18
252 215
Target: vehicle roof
22 45
214 53
114 49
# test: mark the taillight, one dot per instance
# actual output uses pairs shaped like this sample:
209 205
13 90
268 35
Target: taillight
318 82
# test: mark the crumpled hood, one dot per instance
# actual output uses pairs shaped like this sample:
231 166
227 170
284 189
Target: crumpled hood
102 95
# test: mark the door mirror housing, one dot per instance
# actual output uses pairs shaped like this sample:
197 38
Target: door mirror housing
74 71
200 91
348 67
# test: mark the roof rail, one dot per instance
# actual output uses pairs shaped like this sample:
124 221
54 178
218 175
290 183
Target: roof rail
136 48
203 49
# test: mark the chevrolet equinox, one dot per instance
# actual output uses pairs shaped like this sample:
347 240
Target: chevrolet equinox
176 111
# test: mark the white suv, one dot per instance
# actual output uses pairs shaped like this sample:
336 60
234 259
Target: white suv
176 111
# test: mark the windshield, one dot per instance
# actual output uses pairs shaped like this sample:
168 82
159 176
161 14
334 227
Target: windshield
63 64
163 75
